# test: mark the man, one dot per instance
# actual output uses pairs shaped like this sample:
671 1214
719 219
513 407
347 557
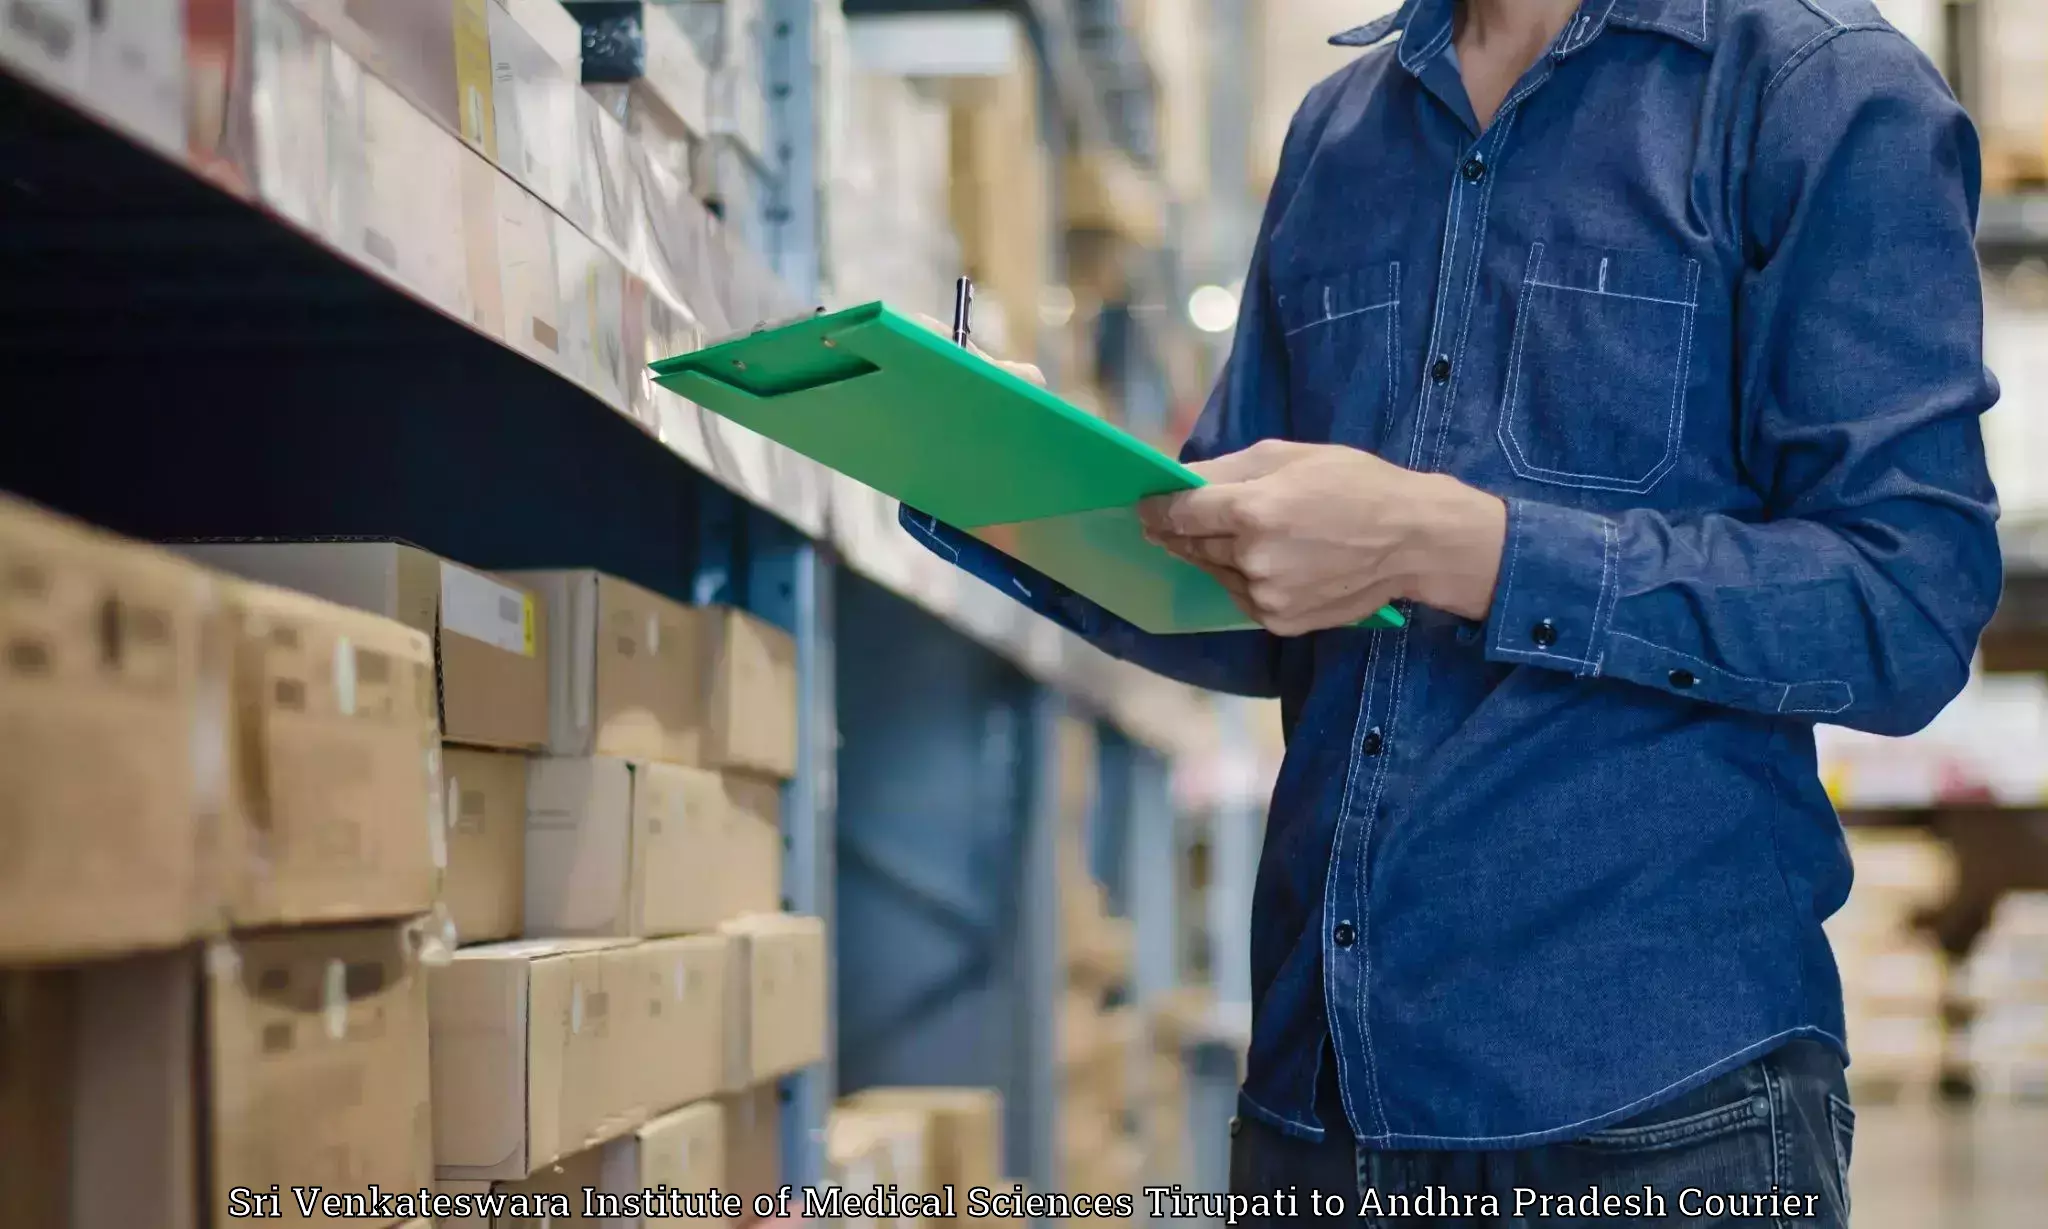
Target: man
1635 347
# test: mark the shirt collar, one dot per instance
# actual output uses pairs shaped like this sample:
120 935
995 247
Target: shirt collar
1425 25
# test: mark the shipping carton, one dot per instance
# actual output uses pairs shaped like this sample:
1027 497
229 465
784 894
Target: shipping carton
317 1045
752 1121
751 881
753 697
622 847
113 736
627 675
339 796
96 1081
484 884
966 1133
681 1152
489 636
674 1003
527 1055
775 1009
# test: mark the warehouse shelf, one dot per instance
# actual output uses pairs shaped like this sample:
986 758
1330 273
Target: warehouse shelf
410 209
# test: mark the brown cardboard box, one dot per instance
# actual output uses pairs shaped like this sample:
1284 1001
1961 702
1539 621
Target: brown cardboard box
490 636
627 675
623 847
753 1140
527 1055
682 1151
97 1069
966 1133
113 730
752 876
484 884
340 807
753 696
775 1006
317 1042
677 999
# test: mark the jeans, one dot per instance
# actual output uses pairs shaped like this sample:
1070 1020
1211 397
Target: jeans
1766 1146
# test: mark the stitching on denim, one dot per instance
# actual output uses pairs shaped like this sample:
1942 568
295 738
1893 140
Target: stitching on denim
1379 781
1603 603
1611 294
1674 423
928 531
1620 1113
1435 45
1830 18
1274 1114
1507 591
1356 311
1848 697
1505 122
1775 732
1436 328
1337 841
1705 1124
1514 382
1783 688
1393 397
1805 52
1774 1094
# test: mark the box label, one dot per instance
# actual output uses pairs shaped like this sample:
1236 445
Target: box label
476 606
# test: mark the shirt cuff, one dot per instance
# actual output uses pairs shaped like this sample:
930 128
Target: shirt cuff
1557 588
991 566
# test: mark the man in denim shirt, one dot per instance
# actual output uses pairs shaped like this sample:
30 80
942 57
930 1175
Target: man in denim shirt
1635 347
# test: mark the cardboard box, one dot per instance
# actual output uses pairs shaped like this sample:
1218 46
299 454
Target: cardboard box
549 25
96 1080
683 1151
676 998
317 1041
340 799
527 1055
776 1004
753 697
436 55
751 878
966 1132
484 884
113 736
489 636
622 847
752 1121
536 100
626 669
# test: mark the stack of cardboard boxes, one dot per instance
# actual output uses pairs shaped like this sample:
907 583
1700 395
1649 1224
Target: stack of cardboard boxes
221 803
2006 986
249 826
1099 1044
631 1039
1894 974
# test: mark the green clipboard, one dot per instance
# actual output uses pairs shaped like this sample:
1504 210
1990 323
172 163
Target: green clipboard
877 396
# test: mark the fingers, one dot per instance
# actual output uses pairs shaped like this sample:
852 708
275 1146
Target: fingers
1027 372
1256 461
1205 512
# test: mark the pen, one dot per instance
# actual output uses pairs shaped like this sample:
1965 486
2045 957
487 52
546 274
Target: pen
963 304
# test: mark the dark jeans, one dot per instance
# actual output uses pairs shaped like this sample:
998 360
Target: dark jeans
1718 1155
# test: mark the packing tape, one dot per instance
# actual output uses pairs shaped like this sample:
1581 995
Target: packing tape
334 1001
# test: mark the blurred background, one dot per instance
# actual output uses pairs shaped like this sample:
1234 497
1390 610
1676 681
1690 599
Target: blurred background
747 843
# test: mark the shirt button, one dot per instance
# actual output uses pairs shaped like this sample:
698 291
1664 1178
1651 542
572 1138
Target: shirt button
1544 634
1440 370
1474 170
1682 679
1346 934
1373 742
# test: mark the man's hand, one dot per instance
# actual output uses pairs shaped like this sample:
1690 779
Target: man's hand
1314 536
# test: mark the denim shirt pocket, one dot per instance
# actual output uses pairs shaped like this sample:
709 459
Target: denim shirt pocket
1343 338
1597 368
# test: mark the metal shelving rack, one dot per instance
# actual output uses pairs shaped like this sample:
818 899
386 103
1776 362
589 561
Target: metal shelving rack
197 340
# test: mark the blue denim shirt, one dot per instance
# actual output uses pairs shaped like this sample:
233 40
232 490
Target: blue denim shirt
1702 305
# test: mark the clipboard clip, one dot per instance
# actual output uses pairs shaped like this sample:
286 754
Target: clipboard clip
764 326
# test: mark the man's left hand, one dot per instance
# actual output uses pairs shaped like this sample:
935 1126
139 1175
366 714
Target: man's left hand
1314 536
